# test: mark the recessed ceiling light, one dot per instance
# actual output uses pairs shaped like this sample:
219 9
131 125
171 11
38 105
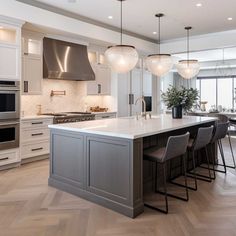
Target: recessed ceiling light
154 32
229 18
198 5
1 27
110 17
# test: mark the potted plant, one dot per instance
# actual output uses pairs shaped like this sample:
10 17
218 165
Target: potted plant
179 99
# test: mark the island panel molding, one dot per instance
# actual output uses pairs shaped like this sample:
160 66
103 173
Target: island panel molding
105 169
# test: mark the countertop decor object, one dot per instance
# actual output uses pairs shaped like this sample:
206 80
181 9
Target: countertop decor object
58 93
178 99
122 58
188 68
98 109
159 64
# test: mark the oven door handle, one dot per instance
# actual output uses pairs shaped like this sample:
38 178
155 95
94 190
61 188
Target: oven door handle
9 123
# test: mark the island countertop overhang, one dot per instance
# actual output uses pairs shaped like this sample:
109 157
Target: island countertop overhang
130 128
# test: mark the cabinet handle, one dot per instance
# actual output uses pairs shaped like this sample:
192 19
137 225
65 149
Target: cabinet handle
36 149
4 158
99 88
37 123
26 86
105 116
131 99
36 134
26 53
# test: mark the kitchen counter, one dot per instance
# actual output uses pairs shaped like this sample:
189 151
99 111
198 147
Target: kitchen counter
207 113
35 117
104 112
130 128
102 160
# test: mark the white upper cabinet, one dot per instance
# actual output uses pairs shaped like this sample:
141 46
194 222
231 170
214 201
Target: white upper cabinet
10 45
102 83
9 62
32 68
32 75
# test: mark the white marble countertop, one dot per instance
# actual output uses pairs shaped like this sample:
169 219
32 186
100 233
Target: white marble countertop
34 117
130 128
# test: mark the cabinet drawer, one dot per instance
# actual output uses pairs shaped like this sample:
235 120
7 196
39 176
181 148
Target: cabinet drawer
28 135
9 156
32 150
36 123
104 116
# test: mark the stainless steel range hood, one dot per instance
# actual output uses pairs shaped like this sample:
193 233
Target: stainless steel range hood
65 60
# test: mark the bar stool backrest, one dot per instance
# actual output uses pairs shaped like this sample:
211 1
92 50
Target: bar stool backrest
220 131
204 136
176 146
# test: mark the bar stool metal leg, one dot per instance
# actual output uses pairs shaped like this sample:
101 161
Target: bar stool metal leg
232 153
201 176
165 190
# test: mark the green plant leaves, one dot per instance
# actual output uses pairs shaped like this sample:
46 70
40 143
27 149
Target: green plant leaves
185 97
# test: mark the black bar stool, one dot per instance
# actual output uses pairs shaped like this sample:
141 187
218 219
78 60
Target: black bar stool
232 122
220 132
176 146
203 138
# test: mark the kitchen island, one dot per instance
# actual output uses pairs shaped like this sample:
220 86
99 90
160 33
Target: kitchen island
102 160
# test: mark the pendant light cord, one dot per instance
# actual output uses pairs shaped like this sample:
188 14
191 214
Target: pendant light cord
159 35
188 45
121 22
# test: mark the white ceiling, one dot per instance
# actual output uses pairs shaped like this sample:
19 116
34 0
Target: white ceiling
138 15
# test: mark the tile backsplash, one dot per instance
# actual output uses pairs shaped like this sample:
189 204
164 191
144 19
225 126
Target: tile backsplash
76 98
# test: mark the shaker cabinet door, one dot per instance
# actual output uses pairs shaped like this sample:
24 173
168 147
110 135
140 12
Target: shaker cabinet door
32 75
9 62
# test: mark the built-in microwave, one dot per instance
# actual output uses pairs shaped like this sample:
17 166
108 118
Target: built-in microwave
9 100
9 134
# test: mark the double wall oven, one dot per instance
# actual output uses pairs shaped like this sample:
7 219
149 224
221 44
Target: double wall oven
9 114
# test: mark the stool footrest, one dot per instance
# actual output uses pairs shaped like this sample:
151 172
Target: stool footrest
182 185
172 195
156 208
232 167
200 177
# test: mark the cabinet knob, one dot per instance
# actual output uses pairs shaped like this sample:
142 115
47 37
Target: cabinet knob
26 86
99 88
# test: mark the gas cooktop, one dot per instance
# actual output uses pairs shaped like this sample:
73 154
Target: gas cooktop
65 117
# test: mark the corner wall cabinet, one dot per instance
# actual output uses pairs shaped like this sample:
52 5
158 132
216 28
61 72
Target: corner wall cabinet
32 71
102 84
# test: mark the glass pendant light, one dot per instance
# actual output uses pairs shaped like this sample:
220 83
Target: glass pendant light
121 58
159 64
188 68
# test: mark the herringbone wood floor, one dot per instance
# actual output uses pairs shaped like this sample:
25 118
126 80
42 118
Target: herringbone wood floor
29 207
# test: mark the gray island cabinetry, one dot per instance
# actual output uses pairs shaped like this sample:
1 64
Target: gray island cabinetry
102 160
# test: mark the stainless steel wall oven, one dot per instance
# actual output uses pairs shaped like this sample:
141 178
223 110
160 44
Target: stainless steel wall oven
9 100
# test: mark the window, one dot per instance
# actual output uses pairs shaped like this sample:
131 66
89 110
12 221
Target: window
218 92
208 92
225 95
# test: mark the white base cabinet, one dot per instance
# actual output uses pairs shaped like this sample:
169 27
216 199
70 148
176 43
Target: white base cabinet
35 137
9 156
105 115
